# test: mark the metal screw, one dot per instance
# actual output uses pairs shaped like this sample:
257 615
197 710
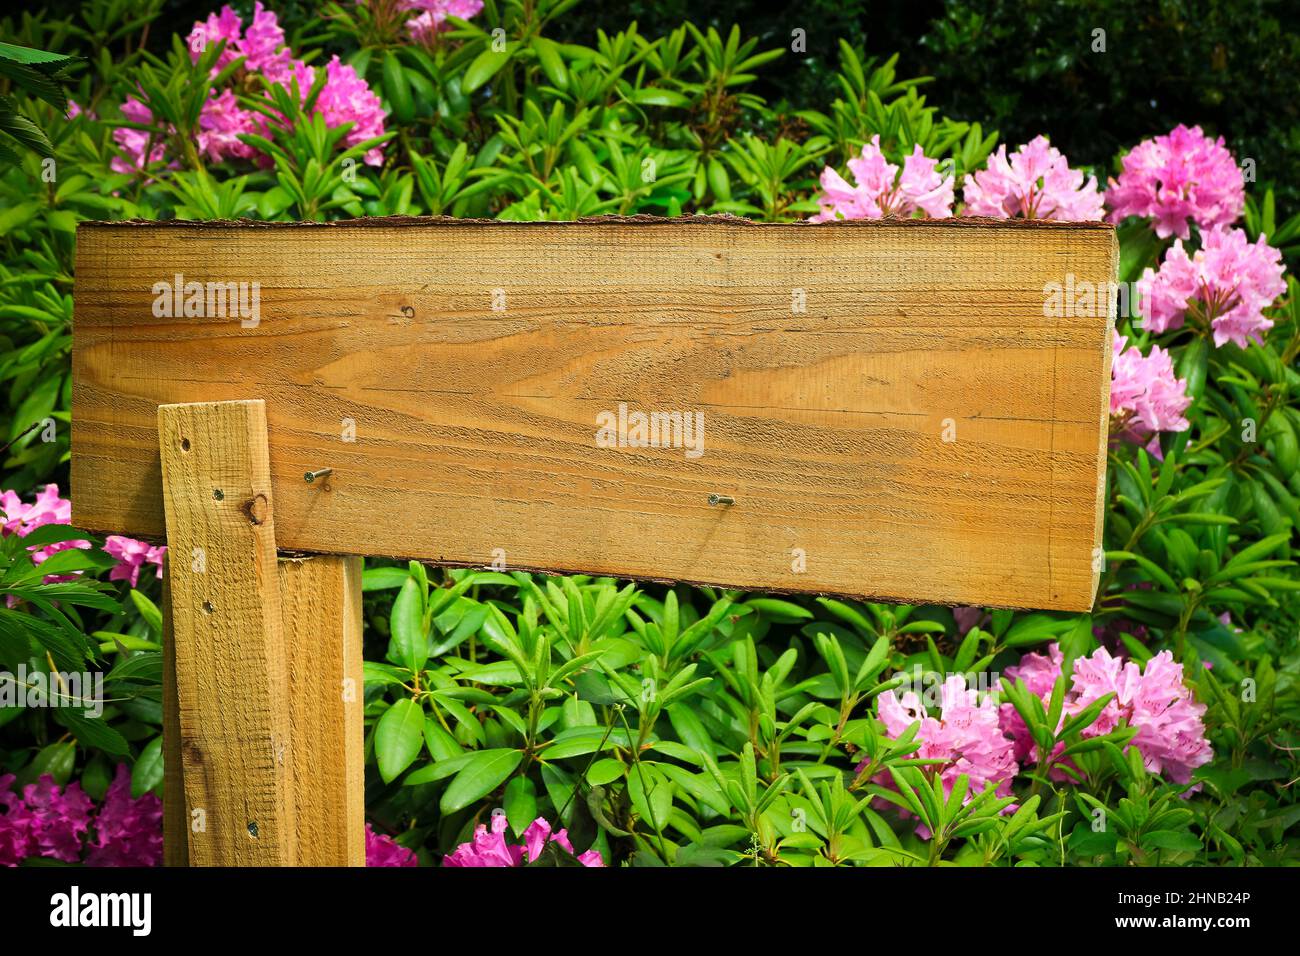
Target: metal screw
721 500
311 476
218 494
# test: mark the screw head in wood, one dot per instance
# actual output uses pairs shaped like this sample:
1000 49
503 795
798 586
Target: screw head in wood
311 476
721 500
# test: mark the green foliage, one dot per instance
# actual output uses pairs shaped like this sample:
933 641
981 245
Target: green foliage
36 74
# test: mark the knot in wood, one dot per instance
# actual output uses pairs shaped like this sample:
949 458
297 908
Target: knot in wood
256 509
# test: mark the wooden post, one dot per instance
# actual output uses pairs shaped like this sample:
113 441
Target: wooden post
231 682
262 695
320 604
176 847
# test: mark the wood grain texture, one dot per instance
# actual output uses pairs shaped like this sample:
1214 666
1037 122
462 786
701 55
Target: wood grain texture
176 847
231 684
320 605
475 429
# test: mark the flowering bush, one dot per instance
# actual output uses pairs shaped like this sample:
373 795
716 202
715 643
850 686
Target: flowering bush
491 849
1179 179
1036 182
63 823
507 721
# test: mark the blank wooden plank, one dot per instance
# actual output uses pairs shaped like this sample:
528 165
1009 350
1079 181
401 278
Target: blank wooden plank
452 375
320 605
229 652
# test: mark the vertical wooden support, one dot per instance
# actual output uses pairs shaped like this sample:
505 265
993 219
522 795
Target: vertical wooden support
231 683
320 604
176 847
262 678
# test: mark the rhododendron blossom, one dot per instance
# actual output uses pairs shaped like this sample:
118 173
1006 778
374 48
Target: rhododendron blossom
221 123
1178 179
345 97
1171 734
966 736
132 556
1035 182
382 850
1145 395
135 142
47 821
1224 286
62 823
48 508
262 46
882 190
127 829
432 18
967 617
490 848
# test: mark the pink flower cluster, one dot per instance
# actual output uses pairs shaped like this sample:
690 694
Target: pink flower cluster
1145 395
132 556
346 97
1177 179
262 46
1171 734
48 508
491 849
966 736
61 823
1225 285
432 17
881 190
383 850
135 142
1035 182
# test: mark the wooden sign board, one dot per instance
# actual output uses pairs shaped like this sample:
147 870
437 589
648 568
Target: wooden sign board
894 410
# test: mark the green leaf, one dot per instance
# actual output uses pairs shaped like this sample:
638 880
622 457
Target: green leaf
398 736
653 96
604 771
520 803
396 88
1193 365
548 55
482 774
485 66
379 579
651 793
92 731
56 759
147 774
148 610
782 612
1179 840
409 645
